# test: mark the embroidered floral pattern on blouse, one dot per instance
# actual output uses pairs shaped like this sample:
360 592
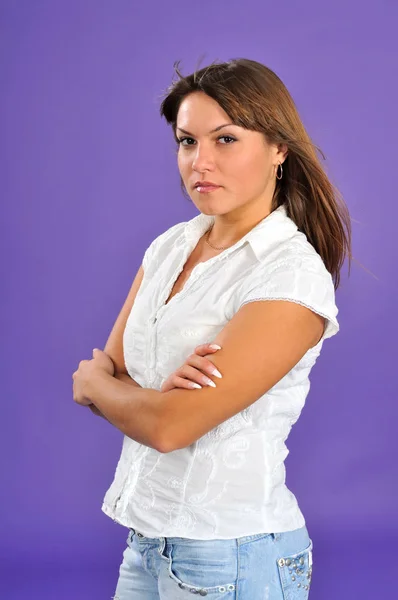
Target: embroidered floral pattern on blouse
230 482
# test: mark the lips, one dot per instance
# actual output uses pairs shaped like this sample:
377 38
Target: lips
203 184
207 189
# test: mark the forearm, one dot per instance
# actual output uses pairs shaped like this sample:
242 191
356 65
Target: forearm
134 410
121 377
126 379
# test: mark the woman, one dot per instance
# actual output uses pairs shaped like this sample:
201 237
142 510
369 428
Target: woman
201 479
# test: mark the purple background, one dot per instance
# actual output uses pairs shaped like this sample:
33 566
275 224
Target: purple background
89 178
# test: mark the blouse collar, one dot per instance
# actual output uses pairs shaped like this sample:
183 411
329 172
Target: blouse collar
270 231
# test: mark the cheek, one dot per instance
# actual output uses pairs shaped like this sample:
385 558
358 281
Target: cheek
182 164
245 171
252 170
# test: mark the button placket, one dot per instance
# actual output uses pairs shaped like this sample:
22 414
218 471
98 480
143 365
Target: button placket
195 274
117 501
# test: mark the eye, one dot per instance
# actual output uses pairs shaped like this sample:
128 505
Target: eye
182 139
229 137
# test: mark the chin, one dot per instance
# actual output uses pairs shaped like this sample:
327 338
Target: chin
210 211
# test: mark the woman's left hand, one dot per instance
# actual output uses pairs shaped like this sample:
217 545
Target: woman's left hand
87 370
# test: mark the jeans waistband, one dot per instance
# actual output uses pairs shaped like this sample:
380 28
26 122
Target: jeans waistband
144 539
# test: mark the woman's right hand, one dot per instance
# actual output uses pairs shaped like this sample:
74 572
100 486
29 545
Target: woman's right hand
194 372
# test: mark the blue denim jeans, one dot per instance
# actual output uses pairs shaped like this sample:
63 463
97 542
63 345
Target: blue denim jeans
265 566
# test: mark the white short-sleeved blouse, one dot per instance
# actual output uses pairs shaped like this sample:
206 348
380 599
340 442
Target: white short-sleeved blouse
230 482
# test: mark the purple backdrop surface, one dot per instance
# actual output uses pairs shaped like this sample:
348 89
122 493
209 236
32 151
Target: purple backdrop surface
89 178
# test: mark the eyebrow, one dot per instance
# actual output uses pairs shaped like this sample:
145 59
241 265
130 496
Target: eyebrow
212 131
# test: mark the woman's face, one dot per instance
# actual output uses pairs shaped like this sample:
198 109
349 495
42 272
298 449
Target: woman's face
237 159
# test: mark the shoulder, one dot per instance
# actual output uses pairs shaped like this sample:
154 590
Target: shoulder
294 271
165 240
295 254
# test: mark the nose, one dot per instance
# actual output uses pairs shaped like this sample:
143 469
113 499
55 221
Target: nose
203 159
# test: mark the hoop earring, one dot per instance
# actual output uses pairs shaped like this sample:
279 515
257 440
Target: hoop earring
279 165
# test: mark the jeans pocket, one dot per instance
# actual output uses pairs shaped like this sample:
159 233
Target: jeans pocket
199 574
295 571
130 537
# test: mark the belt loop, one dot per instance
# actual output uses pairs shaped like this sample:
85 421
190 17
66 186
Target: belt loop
162 544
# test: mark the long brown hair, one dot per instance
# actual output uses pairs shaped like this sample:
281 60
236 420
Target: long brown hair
255 98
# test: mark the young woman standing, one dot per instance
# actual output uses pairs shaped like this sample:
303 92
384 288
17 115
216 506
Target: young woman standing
200 483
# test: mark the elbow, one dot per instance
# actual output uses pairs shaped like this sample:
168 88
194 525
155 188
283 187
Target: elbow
161 430
163 440
161 427
174 429
150 426
169 441
163 447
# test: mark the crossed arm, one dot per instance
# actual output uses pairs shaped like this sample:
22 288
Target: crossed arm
260 345
120 377
114 346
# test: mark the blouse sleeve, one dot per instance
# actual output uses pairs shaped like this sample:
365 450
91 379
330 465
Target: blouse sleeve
161 245
303 282
148 254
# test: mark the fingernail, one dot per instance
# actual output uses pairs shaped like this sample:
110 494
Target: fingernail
215 346
208 381
196 385
217 373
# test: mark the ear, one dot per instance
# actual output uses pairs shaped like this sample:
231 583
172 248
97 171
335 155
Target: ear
282 152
